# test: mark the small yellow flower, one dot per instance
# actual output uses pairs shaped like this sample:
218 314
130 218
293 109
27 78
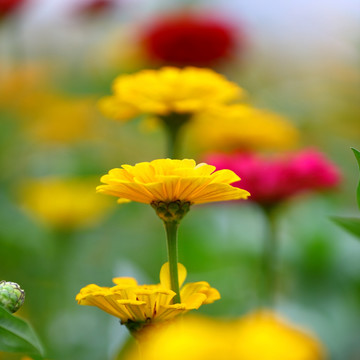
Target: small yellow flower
167 180
63 202
166 91
266 336
242 127
141 304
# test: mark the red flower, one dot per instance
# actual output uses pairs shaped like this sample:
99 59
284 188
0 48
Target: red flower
187 39
275 179
95 7
8 7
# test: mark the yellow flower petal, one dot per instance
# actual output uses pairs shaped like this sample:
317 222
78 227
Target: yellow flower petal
165 275
115 109
124 281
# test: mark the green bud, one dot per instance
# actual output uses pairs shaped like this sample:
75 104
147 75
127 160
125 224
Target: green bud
11 296
172 211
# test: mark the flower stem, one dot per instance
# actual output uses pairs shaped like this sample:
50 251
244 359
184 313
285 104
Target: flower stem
173 123
270 258
171 228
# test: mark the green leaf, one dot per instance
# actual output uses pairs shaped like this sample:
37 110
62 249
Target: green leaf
357 156
16 335
352 225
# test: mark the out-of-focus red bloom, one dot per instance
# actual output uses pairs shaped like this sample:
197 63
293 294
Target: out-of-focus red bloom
7 7
190 39
95 7
271 180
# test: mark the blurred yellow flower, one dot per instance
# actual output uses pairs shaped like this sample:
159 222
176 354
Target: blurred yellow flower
64 203
190 338
58 118
136 305
264 335
167 180
242 127
258 336
167 91
19 82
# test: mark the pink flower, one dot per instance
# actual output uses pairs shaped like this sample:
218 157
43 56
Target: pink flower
271 180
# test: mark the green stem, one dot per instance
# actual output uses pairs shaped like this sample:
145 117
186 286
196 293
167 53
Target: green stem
173 143
173 123
171 228
270 258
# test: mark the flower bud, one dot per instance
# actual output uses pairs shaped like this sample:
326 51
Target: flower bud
11 296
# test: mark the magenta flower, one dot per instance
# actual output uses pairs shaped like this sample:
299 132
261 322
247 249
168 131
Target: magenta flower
271 180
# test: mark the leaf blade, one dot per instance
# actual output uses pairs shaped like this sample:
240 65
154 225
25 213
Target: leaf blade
357 156
352 225
16 335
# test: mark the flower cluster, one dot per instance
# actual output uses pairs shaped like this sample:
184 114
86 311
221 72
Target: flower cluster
274 179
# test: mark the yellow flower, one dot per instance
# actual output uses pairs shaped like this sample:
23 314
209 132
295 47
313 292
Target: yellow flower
258 336
57 118
264 335
63 203
167 91
190 338
167 180
137 304
242 127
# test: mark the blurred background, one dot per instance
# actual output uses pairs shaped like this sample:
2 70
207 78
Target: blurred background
58 58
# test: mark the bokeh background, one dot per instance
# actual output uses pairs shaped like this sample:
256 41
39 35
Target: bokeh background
57 58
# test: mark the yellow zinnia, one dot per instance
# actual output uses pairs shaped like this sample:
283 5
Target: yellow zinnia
167 180
171 95
168 90
258 336
242 127
137 305
59 119
63 203
266 336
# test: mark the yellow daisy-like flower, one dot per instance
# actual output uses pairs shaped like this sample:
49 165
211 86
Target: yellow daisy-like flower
65 203
264 335
136 305
59 119
258 336
169 181
242 127
167 91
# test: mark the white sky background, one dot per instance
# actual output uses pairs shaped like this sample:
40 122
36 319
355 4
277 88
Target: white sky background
298 25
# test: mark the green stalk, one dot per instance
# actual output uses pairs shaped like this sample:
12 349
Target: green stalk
270 258
173 124
171 228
